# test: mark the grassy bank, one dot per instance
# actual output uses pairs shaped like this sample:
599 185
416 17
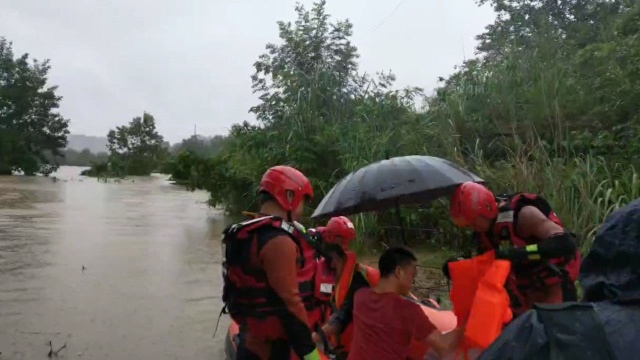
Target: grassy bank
550 107
430 283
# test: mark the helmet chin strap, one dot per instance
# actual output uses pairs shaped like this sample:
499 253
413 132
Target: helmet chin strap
290 197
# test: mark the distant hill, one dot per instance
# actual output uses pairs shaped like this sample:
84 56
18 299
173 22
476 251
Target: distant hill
95 144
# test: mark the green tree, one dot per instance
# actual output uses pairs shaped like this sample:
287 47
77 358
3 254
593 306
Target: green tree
136 149
189 155
563 73
200 145
523 24
316 112
315 109
30 127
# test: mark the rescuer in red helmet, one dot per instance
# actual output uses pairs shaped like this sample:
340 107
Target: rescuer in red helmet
524 229
350 276
269 272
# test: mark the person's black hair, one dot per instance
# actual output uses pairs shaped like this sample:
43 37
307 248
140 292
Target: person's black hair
331 250
393 258
264 197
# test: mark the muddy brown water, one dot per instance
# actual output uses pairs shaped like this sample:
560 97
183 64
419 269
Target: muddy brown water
152 283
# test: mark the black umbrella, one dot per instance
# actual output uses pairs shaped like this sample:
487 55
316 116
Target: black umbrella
393 182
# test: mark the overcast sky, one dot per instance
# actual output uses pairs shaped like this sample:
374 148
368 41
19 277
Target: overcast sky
188 61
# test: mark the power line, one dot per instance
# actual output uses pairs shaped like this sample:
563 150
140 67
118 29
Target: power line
389 16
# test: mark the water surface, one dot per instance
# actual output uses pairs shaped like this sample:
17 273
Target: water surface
151 285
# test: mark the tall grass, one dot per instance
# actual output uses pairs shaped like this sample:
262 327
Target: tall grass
582 190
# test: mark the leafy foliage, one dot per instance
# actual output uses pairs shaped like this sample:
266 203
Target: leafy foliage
187 161
548 106
31 130
137 149
200 145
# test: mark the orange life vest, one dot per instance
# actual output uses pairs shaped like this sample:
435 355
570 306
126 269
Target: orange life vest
529 277
479 298
342 343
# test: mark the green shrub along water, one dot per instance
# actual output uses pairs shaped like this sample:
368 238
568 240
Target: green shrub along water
550 105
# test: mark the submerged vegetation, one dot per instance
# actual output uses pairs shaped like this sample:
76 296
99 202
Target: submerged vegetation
135 149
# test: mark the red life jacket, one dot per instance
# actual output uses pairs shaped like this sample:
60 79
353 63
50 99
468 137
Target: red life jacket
246 292
532 275
319 308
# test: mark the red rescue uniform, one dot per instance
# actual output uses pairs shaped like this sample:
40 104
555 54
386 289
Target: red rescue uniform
533 280
270 286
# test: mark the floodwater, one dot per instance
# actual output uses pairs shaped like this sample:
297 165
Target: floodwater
151 283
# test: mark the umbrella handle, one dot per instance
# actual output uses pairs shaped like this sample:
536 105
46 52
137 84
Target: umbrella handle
399 215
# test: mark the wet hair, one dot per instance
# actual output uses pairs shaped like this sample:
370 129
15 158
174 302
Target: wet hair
393 258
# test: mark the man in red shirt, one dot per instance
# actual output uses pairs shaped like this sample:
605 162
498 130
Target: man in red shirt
385 322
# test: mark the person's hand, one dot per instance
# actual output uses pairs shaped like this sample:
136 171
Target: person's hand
512 254
502 254
445 267
446 343
329 329
458 335
452 341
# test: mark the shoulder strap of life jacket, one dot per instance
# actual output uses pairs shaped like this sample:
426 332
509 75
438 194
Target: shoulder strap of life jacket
246 231
243 229
569 326
509 207
345 279
370 274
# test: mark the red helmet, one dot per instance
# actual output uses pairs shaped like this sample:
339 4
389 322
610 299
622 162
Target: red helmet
340 227
471 200
279 180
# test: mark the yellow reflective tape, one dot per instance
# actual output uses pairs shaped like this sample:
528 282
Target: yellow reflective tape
532 252
300 227
314 355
